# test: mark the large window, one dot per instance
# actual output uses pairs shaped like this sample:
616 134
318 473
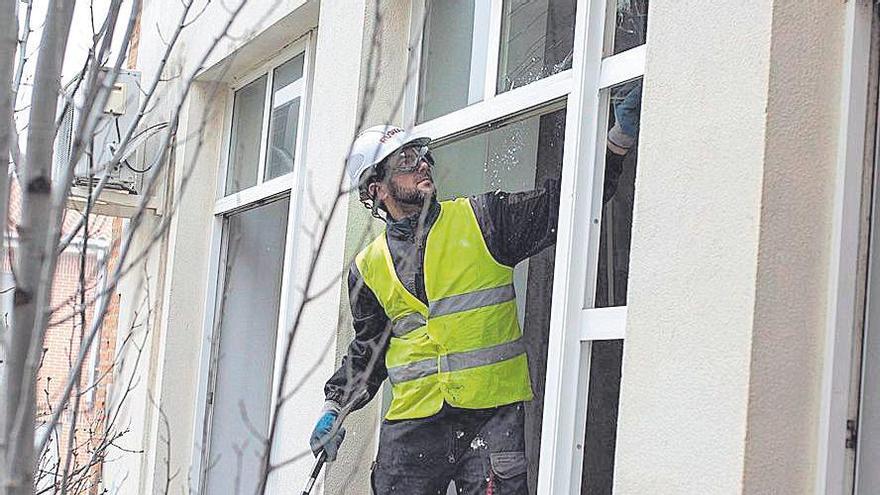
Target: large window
244 346
254 212
582 63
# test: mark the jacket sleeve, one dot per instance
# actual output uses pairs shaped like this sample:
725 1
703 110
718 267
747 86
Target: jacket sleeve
518 225
363 366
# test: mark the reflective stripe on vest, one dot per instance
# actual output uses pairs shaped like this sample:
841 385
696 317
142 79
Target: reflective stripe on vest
456 362
454 304
471 300
407 324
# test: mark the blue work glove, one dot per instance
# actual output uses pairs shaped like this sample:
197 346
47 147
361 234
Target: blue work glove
321 439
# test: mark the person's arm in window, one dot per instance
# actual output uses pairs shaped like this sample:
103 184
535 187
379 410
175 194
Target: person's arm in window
518 225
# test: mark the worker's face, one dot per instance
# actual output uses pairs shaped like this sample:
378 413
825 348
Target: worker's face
410 180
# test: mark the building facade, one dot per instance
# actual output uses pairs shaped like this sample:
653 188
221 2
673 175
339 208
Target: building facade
704 323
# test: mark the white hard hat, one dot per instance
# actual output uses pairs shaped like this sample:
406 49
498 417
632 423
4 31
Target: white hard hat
374 145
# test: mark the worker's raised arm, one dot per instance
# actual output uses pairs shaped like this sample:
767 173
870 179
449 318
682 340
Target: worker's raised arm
520 224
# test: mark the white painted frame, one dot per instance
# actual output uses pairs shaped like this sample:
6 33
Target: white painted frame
831 454
487 59
564 421
263 188
586 87
288 184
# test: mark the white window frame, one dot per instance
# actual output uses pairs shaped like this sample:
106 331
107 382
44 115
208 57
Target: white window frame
290 185
835 467
263 188
102 250
586 89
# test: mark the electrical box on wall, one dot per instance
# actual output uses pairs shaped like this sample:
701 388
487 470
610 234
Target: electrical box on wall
117 116
125 180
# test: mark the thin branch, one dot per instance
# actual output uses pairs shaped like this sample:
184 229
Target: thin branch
141 211
24 354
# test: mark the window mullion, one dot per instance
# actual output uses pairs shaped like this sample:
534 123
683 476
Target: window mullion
416 32
478 56
264 132
561 464
496 12
594 231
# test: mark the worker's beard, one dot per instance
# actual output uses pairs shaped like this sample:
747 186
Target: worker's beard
410 196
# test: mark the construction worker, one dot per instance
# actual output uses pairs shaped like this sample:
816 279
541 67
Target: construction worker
434 311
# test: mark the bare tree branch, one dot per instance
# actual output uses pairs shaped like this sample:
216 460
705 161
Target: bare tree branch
38 260
8 40
35 211
138 217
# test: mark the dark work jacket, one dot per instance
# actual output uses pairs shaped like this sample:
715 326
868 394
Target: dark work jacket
515 227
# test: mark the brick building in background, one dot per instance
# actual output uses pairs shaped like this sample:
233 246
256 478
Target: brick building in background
80 265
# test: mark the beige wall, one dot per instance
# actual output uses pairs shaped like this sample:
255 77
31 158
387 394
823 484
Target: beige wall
178 340
730 243
800 165
384 75
331 127
183 300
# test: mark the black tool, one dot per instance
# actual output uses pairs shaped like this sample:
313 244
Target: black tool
322 457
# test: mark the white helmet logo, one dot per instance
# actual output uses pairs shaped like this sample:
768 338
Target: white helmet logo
374 145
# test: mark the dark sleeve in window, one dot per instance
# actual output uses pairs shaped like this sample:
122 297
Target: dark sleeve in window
363 366
518 225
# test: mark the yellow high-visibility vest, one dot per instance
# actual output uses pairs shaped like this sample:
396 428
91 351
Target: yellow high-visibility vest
465 346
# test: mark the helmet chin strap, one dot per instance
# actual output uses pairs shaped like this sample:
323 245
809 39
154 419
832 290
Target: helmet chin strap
375 210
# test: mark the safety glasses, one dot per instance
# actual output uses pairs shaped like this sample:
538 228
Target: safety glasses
409 159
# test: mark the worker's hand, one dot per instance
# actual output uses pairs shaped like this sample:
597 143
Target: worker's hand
321 439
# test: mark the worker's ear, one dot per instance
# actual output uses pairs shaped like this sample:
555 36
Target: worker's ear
378 191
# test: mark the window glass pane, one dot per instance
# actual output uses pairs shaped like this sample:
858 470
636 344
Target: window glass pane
597 475
630 25
453 65
244 357
244 144
537 40
284 121
621 156
515 157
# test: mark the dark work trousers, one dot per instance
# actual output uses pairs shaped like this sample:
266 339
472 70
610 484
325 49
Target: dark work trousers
482 450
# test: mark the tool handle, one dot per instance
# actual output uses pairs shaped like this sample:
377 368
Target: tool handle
316 470
322 456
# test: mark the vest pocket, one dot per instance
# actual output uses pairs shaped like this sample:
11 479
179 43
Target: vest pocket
507 465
